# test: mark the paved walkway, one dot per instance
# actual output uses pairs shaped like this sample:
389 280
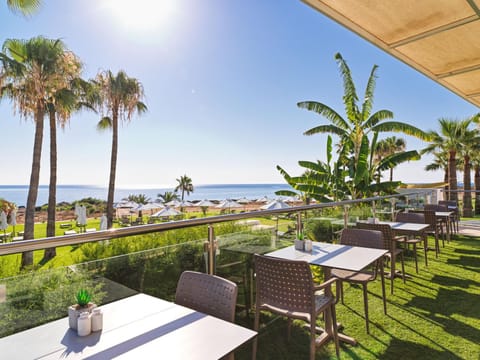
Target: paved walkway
469 227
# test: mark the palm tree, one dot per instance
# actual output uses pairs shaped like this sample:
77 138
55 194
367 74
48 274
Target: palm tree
389 146
25 7
30 74
449 140
184 185
121 97
168 196
359 121
138 198
470 144
60 106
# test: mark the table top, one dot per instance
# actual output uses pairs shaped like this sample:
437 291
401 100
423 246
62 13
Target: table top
138 327
353 258
443 213
402 226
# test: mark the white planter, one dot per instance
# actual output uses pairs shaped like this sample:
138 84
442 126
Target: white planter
74 312
299 244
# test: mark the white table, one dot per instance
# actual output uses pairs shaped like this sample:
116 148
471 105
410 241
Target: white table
332 256
138 327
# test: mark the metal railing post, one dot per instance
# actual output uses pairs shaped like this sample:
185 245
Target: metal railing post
299 223
345 216
212 248
374 209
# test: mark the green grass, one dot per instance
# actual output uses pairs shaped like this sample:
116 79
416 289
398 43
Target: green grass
435 315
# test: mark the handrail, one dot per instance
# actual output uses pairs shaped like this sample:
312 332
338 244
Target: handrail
45 243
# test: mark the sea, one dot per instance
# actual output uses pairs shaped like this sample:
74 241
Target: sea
70 193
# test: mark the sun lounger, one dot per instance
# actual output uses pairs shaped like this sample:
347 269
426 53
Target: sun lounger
17 238
90 230
66 226
70 232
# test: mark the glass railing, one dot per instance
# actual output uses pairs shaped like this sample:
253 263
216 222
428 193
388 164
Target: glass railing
149 259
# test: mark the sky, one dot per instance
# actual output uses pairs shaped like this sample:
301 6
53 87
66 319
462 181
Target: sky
221 80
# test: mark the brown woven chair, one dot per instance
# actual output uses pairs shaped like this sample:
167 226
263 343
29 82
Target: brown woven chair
442 221
286 288
363 238
416 218
389 243
435 229
208 294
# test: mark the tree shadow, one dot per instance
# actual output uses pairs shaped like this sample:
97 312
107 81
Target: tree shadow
467 251
448 281
467 262
401 349
448 303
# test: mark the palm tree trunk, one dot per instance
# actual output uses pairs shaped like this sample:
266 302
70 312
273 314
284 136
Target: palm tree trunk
477 188
391 174
113 169
467 186
452 171
52 189
27 257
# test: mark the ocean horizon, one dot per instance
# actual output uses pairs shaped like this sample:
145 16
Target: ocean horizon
70 193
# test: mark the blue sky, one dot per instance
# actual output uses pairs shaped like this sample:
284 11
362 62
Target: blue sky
222 80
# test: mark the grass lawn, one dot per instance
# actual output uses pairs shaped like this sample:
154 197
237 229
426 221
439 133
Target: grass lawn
435 315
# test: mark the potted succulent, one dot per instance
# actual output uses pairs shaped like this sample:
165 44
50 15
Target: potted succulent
83 304
300 241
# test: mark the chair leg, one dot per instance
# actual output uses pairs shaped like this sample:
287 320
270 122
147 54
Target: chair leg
255 327
425 250
335 329
415 255
312 338
365 305
340 284
382 278
403 267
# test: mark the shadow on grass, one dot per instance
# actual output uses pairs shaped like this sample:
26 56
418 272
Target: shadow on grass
467 251
400 349
467 262
447 303
448 281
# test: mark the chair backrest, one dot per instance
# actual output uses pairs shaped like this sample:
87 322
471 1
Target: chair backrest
410 217
208 294
435 207
452 203
430 219
285 284
385 229
363 238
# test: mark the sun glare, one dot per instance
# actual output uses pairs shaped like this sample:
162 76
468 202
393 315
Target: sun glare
141 15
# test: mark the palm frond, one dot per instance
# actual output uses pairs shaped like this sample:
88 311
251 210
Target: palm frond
369 91
332 129
104 124
325 111
395 126
350 97
376 118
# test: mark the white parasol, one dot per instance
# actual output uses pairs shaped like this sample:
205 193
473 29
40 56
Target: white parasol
103 222
3 222
168 211
13 220
275 205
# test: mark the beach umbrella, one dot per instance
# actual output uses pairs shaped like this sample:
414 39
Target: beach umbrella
149 206
103 222
82 216
13 220
243 200
204 203
263 199
3 222
126 205
77 209
275 205
228 204
167 211
184 203
173 203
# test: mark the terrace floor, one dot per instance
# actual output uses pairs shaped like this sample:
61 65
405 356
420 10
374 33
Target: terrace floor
435 315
